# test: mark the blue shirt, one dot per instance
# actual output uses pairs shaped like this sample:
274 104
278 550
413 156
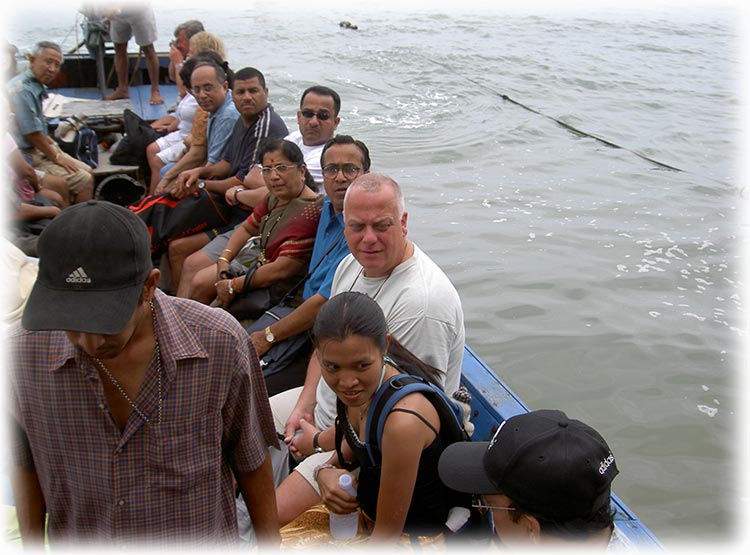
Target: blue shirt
219 128
330 232
27 94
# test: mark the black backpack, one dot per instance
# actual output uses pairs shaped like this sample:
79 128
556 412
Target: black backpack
78 140
477 528
450 413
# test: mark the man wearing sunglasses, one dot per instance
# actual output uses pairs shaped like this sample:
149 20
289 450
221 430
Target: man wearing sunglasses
545 478
321 105
317 119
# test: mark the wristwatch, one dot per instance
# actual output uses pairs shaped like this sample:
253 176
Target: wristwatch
270 337
201 184
316 446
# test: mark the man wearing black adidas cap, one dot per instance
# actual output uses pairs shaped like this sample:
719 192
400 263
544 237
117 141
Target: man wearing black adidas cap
135 416
545 477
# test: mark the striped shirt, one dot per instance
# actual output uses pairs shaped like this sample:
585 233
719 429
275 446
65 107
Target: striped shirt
163 482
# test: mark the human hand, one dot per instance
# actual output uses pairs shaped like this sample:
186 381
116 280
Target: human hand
300 412
163 186
66 163
334 497
175 56
225 292
258 339
302 443
230 196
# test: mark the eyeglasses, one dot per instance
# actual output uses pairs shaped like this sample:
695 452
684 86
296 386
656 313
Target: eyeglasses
208 89
278 168
322 116
492 507
350 171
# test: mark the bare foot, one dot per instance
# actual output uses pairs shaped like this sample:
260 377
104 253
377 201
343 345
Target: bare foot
156 99
118 95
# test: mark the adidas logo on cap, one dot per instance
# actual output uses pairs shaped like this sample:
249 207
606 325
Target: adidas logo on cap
78 276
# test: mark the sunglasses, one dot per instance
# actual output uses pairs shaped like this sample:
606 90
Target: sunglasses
322 116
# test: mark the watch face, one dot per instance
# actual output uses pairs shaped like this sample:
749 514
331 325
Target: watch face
270 337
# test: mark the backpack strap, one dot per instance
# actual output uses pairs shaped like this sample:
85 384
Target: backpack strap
390 393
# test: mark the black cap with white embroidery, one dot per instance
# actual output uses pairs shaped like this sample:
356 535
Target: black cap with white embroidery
94 259
548 464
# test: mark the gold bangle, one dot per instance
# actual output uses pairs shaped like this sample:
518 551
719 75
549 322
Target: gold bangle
225 260
230 251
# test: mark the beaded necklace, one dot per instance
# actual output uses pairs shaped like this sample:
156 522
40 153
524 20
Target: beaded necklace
157 354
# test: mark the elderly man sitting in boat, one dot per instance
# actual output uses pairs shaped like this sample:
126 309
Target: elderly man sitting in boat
29 128
422 309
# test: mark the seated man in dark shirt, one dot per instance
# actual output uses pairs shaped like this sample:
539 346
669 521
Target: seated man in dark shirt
257 122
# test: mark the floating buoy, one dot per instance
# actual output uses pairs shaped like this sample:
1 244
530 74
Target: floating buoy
347 25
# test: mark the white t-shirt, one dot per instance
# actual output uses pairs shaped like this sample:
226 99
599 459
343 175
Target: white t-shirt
312 157
422 310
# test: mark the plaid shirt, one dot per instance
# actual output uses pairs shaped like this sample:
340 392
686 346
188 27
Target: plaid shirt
163 482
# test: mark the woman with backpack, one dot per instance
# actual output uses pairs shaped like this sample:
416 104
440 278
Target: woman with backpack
398 489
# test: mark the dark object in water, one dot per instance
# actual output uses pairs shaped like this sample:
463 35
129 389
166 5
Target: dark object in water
347 25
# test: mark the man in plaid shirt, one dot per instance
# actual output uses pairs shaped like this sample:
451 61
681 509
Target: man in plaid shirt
136 416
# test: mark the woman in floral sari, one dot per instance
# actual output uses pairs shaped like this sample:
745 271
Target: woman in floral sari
285 223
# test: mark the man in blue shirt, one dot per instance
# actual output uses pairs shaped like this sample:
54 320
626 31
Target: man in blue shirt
211 90
257 123
343 160
27 92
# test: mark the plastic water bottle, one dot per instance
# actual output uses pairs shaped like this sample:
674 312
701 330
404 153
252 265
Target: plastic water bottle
344 527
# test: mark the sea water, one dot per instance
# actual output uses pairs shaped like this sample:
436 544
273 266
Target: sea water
593 279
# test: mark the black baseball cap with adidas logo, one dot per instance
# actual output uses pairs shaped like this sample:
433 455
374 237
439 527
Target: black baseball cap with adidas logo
550 465
94 259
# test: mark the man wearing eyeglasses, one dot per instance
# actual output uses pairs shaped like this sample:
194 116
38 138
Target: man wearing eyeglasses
317 119
343 159
257 122
546 479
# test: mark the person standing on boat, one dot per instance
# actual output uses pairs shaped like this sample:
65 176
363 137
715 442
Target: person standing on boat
127 20
546 479
29 128
135 416
421 306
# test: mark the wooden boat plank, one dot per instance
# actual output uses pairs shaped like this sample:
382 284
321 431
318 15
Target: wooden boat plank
67 102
